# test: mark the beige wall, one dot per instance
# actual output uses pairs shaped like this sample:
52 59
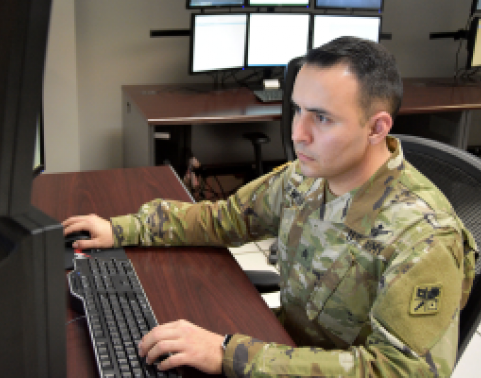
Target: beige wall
61 134
98 45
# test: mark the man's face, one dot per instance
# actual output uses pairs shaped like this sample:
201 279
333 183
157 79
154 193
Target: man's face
329 137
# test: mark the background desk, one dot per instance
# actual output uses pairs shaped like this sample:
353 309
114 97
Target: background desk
157 119
203 285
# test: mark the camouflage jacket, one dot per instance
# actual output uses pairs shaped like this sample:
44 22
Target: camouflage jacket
371 283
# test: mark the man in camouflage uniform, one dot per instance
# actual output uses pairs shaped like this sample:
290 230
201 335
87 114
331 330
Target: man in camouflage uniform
375 265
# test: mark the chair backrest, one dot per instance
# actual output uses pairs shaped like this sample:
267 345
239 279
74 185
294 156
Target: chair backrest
458 175
455 172
290 74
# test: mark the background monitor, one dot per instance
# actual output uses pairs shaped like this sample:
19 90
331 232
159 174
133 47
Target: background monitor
474 44
217 42
279 3
214 3
328 27
351 4
275 38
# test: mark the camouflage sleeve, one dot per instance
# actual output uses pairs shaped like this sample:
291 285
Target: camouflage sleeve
253 213
414 322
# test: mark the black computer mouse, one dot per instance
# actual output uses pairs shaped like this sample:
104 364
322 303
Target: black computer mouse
74 236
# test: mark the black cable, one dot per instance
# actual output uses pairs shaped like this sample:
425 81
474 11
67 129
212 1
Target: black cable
220 186
76 319
461 40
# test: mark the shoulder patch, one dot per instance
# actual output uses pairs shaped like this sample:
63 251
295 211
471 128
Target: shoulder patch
426 299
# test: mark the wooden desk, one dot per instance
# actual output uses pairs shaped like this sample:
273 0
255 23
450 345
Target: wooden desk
439 109
157 119
203 285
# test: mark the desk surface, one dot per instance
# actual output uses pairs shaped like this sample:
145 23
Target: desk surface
203 285
171 104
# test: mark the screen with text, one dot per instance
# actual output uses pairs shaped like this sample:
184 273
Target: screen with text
327 28
274 39
218 42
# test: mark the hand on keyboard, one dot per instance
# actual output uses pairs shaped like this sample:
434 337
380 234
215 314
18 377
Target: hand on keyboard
187 343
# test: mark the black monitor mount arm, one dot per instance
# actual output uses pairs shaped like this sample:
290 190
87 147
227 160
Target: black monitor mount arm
460 34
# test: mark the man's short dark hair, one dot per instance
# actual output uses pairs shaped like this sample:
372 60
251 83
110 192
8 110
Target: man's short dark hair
374 67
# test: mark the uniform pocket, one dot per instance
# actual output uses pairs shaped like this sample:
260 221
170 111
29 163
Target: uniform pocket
328 281
288 218
346 310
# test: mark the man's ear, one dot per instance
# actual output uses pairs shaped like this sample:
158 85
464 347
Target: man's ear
380 124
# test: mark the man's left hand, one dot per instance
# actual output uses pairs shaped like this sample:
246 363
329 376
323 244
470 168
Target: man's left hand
189 344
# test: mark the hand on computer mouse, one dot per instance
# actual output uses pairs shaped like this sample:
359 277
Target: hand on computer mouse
73 237
101 234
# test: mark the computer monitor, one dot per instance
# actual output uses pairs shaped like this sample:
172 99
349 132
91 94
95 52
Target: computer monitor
192 4
328 27
218 42
350 4
474 44
275 38
279 3
32 275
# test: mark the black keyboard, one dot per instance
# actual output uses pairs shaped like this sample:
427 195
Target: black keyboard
118 315
269 95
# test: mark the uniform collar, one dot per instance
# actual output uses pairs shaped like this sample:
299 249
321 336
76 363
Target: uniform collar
358 208
368 199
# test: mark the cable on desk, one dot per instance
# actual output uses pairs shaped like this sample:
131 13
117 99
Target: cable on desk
76 319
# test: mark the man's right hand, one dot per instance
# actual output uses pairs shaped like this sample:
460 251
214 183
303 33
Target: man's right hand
101 234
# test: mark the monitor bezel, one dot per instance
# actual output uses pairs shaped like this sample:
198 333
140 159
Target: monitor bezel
308 5
381 9
190 6
475 23
314 15
191 44
273 14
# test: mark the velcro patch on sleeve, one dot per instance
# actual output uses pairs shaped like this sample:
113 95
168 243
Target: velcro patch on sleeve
419 303
426 299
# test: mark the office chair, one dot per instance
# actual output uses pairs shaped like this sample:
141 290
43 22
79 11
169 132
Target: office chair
290 74
457 174
257 139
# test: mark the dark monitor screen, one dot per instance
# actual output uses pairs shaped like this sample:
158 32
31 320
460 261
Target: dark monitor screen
329 27
351 4
474 44
275 38
217 42
279 3
214 3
